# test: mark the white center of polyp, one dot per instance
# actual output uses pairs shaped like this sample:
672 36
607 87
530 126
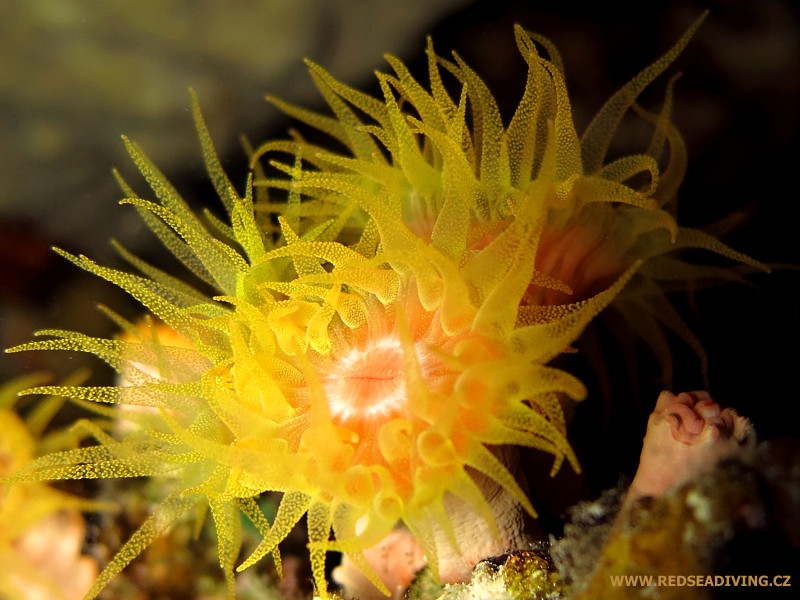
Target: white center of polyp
367 382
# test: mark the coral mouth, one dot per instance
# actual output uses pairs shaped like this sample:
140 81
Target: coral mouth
583 256
368 383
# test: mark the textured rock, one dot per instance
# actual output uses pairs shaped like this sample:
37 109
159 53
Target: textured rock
740 519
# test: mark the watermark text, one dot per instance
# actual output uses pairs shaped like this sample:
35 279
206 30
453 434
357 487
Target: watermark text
701 580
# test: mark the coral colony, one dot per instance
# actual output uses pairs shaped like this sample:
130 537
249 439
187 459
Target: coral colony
370 323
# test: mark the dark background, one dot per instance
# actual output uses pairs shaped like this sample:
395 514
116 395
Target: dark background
736 105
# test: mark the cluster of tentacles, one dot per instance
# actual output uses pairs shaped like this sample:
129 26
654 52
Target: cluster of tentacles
368 322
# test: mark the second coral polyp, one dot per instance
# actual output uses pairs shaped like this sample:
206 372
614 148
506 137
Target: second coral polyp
583 255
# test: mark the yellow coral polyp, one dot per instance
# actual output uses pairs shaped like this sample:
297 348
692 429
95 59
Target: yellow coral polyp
381 415
40 528
530 206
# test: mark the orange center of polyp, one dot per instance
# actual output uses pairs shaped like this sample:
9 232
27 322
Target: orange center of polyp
580 256
367 382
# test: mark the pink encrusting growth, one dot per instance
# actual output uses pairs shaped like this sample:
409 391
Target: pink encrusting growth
687 435
396 560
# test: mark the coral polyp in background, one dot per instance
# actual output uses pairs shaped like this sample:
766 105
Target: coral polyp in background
41 529
373 333
443 172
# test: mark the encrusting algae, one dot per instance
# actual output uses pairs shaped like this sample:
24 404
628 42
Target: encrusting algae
373 333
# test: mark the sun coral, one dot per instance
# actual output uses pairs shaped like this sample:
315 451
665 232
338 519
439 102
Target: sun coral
368 339
531 203
318 371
